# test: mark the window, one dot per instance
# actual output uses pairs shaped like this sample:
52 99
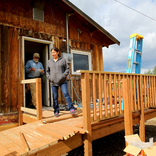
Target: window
38 14
81 61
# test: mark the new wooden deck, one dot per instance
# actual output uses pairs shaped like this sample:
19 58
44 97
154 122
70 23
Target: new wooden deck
56 136
124 100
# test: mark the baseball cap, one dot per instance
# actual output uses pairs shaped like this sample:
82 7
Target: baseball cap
36 55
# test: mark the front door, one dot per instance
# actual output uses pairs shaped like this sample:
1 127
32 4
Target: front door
43 48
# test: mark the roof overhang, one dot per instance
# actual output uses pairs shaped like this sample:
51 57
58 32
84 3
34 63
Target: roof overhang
94 28
97 30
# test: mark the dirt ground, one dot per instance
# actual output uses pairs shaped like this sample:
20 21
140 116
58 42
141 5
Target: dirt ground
114 144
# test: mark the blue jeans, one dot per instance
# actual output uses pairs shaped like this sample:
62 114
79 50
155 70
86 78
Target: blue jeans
65 94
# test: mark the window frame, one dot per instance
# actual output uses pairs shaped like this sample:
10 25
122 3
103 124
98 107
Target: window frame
81 53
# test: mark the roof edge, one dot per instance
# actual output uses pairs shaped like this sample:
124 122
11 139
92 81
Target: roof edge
91 21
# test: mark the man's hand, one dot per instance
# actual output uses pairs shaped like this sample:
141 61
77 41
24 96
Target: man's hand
32 69
41 71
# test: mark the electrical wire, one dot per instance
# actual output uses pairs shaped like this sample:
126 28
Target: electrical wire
136 11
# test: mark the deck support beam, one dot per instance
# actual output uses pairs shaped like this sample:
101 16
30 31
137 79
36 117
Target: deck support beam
86 114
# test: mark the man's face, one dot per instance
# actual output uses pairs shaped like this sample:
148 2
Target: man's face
36 59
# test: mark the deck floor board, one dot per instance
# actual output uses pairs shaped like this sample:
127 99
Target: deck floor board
65 125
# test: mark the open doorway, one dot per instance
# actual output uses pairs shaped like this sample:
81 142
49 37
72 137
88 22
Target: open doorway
30 46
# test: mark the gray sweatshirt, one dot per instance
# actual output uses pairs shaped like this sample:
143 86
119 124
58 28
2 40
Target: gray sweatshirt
57 71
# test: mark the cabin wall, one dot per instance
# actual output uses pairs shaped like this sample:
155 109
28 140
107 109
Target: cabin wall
16 20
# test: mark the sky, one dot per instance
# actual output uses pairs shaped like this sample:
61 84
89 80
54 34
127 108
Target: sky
121 22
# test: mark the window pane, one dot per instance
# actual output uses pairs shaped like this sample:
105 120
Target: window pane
80 62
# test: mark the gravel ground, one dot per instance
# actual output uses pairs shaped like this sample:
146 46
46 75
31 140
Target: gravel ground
114 144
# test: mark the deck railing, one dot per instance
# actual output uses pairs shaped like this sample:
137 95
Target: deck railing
38 111
104 92
107 95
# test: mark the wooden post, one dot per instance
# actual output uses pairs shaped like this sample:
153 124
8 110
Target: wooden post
0 74
20 86
127 107
86 113
142 119
39 98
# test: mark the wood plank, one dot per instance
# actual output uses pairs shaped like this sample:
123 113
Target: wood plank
138 98
38 135
152 91
24 141
27 118
119 88
8 126
115 95
60 131
100 95
4 151
28 81
10 145
94 97
59 148
147 83
104 131
52 133
14 137
105 95
63 117
31 140
110 96
39 98
69 128
134 83
131 93
145 98
150 100
29 110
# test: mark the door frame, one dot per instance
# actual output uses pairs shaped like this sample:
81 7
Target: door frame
50 43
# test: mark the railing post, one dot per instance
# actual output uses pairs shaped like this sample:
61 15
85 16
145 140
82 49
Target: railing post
142 119
20 113
127 107
86 113
39 98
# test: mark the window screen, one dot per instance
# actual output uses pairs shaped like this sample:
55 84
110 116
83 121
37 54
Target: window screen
80 62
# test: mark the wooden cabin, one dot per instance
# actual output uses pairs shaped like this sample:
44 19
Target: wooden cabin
37 26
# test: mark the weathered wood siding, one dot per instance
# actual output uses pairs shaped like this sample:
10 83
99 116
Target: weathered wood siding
16 20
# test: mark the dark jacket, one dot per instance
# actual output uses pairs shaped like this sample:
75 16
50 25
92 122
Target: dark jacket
57 71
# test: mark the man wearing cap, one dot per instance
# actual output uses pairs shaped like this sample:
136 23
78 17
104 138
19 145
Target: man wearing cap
34 69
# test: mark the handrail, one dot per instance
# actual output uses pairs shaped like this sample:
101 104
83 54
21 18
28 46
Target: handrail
38 111
106 92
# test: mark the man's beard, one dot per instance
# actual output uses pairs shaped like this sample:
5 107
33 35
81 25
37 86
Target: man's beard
36 60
